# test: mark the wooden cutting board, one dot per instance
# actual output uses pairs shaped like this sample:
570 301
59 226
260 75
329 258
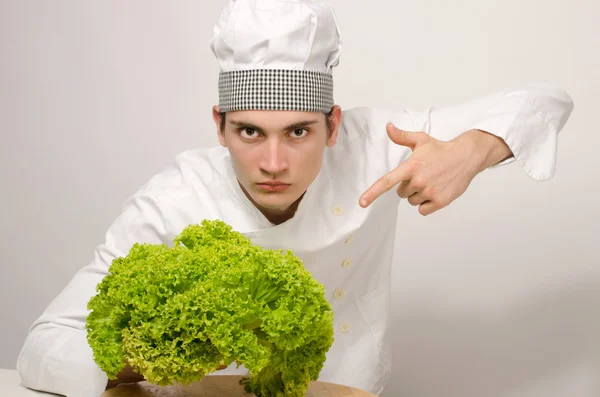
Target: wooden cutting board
222 386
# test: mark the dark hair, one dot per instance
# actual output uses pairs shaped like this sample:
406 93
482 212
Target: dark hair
327 121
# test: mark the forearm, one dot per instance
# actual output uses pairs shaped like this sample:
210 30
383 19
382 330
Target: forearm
57 359
528 120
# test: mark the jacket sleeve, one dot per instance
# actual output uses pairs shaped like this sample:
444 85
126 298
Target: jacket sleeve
528 119
56 357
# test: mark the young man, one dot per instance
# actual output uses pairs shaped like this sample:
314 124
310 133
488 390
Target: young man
293 171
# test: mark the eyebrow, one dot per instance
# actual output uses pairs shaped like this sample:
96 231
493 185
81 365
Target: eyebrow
300 124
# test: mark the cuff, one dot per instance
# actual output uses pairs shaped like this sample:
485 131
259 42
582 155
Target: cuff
59 360
530 128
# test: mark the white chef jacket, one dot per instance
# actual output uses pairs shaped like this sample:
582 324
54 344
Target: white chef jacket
347 248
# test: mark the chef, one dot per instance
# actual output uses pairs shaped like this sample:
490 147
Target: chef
295 171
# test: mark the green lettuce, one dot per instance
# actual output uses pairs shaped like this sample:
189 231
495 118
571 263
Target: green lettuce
175 314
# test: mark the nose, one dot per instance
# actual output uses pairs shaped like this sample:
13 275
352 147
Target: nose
273 159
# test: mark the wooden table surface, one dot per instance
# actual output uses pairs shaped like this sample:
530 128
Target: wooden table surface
222 386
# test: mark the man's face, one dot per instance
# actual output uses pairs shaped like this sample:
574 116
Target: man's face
276 155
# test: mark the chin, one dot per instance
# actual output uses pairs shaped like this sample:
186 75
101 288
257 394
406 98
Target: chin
274 201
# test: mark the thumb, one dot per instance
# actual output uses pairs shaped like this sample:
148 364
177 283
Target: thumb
402 137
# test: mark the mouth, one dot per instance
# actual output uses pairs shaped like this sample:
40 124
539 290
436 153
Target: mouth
273 186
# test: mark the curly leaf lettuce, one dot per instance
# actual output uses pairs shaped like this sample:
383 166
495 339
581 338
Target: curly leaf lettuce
178 313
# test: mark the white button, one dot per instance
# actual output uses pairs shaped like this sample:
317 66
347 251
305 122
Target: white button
337 210
345 328
338 293
349 239
347 263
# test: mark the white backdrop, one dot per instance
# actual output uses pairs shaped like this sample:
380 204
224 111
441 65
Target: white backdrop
497 295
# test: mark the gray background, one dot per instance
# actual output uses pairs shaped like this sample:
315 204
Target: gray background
497 295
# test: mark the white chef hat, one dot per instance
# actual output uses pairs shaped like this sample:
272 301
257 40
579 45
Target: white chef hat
276 55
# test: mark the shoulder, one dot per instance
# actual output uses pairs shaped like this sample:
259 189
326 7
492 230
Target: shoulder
365 127
363 146
191 169
365 115
355 122
187 188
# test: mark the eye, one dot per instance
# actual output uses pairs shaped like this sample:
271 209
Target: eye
299 133
248 133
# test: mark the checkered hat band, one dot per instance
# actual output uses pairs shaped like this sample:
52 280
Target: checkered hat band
275 89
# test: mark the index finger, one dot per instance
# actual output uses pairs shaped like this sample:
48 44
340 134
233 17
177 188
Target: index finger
383 184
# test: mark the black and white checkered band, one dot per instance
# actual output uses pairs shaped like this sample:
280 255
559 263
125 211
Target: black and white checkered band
275 89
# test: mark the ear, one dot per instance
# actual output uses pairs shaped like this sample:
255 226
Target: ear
335 119
217 117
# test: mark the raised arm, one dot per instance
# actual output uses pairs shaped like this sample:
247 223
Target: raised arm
451 145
